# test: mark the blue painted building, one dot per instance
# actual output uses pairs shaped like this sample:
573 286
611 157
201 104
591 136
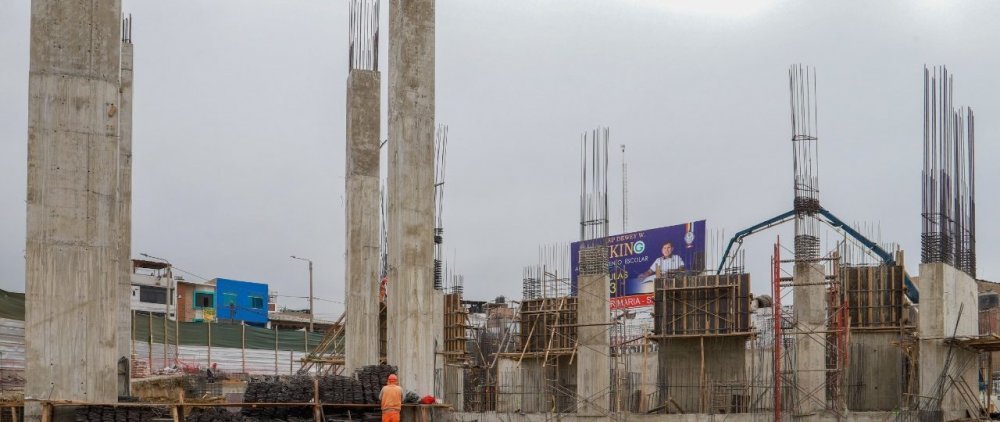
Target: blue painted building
241 301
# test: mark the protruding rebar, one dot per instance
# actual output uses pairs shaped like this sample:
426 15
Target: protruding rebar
440 155
127 29
802 85
948 207
363 35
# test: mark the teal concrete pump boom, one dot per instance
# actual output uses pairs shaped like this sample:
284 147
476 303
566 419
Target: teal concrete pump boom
911 290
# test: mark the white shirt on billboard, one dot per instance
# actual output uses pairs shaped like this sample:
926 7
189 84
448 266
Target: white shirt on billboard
670 263
665 264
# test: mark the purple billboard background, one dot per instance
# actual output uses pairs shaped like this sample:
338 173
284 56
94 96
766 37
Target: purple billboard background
631 256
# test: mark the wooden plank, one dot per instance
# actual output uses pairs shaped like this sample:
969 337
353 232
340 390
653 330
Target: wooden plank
46 412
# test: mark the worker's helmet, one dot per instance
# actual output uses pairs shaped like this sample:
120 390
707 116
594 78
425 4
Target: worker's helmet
392 378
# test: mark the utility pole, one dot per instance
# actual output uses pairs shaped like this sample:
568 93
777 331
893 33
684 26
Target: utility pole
310 290
624 192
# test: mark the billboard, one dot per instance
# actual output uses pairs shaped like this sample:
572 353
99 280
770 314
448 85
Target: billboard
633 260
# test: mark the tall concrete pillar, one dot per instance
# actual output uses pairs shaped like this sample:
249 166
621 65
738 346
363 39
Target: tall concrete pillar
810 314
411 193
123 218
72 264
363 125
948 308
593 368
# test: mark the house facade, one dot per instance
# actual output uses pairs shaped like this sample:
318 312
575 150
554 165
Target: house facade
152 288
195 301
244 301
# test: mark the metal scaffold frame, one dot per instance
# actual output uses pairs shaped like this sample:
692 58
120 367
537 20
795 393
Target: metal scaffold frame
834 336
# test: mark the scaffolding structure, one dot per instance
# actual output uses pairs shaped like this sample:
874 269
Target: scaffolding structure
328 356
833 336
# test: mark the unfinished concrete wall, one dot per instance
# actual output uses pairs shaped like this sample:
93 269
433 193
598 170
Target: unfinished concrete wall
593 369
454 386
646 364
565 383
72 264
532 386
123 218
948 308
509 390
438 330
411 193
875 372
691 368
810 314
362 225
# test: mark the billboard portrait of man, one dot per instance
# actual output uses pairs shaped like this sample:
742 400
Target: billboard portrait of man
666 262
635 258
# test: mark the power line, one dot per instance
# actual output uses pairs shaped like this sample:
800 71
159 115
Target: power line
188 272
314 297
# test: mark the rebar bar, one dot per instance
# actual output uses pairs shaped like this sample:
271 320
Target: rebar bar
127 29
802 86
363 33
948 208
440 156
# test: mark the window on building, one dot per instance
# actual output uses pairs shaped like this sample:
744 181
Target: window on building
256 302
228 300
204 300
150 294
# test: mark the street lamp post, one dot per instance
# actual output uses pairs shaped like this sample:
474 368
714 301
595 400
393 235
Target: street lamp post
310 289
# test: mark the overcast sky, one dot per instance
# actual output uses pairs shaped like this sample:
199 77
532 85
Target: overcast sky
239 125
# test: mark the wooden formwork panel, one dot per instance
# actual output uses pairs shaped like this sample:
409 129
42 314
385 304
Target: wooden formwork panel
702 305
548 324
874 295
455 328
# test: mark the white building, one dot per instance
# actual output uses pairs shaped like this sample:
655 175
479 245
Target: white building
153 288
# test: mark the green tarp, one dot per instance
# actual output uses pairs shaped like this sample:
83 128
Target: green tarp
222 335
11 305
194 333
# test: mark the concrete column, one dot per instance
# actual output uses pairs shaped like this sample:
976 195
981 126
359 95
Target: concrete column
454 386
948 308
593 369
439 356
411 311
123 219
362 281
809 295
72 264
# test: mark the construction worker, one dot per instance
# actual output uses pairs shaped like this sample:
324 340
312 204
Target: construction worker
392 399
